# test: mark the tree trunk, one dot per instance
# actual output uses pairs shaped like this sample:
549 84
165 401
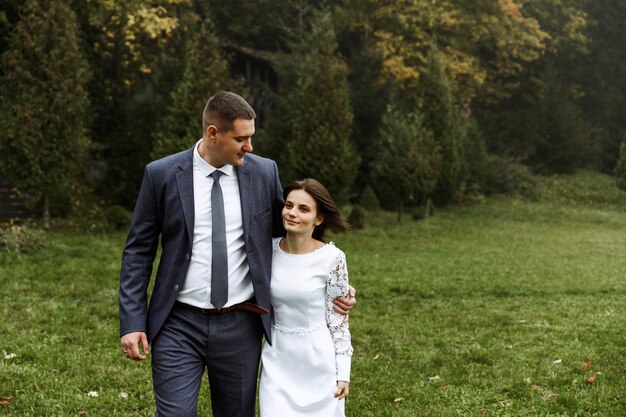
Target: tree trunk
400 208
46 211
428 207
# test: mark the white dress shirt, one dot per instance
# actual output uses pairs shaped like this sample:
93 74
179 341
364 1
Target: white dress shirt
197 287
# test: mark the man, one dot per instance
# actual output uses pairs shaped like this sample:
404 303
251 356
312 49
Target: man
215 209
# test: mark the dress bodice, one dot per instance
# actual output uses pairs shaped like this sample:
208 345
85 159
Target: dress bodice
298 286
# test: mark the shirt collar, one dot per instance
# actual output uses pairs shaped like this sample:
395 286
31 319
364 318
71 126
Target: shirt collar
207 169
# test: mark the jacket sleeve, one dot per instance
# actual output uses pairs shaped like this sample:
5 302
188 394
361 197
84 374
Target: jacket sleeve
277 221
138 258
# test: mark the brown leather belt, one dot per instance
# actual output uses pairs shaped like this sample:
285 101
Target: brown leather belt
246 306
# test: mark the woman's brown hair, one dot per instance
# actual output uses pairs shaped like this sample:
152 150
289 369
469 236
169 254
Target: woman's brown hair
325 206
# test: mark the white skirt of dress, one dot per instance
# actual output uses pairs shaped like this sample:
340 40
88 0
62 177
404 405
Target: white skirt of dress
298 376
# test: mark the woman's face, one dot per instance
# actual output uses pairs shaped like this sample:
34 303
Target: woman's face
300 213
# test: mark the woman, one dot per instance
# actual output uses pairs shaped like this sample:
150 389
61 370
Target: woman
306 370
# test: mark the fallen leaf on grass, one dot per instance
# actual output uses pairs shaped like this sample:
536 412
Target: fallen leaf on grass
123 395
547 395
434 378
505 404
82 413
444 387
550 396
377 356
92 394
398 400
9 355
5 400
592 378
586 366
558 361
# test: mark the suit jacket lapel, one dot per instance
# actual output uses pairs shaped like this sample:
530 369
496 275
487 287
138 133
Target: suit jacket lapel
243 178
184 180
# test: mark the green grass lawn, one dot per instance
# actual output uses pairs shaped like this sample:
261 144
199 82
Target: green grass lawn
490 309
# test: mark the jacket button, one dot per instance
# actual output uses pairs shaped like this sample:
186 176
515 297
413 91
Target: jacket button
187 256
176 287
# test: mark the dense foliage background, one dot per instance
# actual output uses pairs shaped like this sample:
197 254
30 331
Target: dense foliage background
421 101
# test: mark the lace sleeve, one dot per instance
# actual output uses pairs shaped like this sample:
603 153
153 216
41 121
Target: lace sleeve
337 285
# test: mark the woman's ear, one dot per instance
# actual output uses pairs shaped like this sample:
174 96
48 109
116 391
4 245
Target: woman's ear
319 220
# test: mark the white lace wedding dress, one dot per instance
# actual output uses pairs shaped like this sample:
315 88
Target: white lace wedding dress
311 346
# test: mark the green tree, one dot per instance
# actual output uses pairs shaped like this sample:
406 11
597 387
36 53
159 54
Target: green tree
369 92
603 75
44 79
474 158
484 44
206 72
408 159
442 118
311 122
542 121
136 53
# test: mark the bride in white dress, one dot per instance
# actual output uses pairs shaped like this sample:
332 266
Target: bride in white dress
306 370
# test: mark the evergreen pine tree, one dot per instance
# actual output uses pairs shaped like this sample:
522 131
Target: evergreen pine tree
206 72
44 83
442 118
474 158
311 122
408 158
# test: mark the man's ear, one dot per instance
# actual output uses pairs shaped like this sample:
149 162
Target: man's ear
211 132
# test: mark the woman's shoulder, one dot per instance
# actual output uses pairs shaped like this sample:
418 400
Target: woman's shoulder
332 252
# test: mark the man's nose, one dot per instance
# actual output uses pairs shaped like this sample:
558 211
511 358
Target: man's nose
247 145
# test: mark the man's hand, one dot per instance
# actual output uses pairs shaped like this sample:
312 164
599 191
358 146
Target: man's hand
130 346
343 305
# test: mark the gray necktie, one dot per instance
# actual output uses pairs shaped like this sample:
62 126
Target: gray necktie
219 263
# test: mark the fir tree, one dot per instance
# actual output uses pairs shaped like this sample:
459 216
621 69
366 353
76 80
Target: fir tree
206 72
44 80
311 122
442 118
408 158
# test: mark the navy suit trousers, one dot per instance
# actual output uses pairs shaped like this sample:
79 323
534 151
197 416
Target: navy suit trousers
228 346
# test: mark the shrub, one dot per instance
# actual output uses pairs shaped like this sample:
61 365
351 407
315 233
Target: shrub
20 239
424 210
369 200
507 176
357 217
118 217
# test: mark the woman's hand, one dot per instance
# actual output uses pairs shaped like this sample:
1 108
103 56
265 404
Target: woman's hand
342 389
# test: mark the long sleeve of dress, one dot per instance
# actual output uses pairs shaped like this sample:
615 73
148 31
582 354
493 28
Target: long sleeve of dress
337 285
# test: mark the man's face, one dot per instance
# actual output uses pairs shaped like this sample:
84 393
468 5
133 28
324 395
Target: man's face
229 147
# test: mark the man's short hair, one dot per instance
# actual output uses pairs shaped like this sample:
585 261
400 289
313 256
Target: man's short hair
223 109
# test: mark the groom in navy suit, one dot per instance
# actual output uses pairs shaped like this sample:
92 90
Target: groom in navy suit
187 325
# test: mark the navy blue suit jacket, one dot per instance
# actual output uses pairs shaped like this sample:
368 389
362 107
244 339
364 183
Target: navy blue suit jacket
165 211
